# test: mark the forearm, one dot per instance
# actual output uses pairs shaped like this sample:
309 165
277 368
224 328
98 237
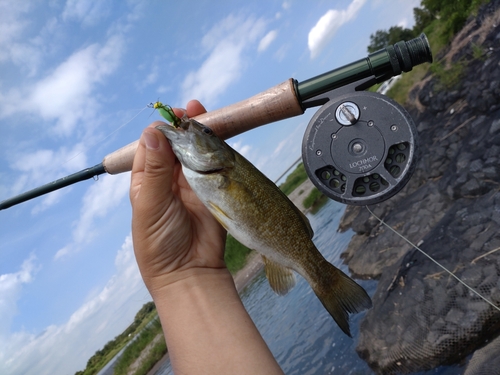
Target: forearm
207 328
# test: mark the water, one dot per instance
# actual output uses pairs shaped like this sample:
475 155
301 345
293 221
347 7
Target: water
300 333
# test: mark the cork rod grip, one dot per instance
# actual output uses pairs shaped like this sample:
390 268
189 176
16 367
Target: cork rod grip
277 103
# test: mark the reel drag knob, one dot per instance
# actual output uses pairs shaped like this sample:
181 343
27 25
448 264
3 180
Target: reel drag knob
360 148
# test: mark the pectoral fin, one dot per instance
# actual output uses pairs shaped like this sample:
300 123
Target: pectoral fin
281 279
219 214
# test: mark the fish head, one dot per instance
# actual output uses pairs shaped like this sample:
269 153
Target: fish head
197 147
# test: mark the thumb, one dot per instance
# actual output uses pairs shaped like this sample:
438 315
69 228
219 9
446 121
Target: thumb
152 172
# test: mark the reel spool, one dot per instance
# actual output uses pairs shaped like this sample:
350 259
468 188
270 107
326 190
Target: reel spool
359 148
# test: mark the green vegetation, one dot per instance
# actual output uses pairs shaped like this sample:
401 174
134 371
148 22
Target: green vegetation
448 77
452 14
104 355
235 255
447 15
440 20
294 179
478 52
134 350
156 353
315 200
382 38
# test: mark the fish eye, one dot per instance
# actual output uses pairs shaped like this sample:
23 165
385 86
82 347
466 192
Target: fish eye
207 131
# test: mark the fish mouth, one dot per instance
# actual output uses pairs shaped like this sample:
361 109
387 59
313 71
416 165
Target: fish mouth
171 130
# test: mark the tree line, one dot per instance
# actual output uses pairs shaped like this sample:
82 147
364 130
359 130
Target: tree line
451 14
102 356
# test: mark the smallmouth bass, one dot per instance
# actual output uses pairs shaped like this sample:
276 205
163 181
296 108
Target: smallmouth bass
260 216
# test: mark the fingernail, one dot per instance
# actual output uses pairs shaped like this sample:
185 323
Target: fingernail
151 140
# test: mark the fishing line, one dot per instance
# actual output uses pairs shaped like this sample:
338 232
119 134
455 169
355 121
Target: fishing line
109 135
435 261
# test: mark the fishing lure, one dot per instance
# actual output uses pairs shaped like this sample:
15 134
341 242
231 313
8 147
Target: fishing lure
166 112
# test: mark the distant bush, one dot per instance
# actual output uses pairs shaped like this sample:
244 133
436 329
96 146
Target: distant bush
134 350
313 198
235 255
440 20
450 15
294 179
156 353
112 347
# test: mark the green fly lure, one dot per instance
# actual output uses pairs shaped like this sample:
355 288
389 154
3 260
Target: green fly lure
167 113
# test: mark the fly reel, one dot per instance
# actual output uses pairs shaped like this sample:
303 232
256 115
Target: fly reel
359 148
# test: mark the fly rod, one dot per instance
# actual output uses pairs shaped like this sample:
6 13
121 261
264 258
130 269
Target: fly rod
288 99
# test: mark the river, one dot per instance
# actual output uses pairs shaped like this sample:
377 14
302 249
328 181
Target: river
300 333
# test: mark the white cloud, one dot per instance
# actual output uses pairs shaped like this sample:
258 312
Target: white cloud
88 328
403 23
99 199
41 166
225 45
13 24
66 94
244 150
65 97
280 53
287 151
326 27
267 40
10 291
14 45
87 12
150 72
45 163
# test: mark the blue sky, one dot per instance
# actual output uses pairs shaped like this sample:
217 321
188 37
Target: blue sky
75 79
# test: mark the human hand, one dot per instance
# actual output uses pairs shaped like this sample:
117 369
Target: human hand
174 235
179 247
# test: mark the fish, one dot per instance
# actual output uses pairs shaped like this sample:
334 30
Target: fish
259 215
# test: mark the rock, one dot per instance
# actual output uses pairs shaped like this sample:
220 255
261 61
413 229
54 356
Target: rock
454 316
486 360
452 204
350 213
495 126
447 318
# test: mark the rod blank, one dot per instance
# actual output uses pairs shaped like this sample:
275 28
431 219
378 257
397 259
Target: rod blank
85 174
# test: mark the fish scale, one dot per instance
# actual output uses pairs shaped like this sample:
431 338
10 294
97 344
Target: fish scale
260 216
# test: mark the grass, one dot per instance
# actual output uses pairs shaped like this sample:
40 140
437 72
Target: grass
315 200
235 255
109 351
434 32
156 353
448 77
439 33
294 179
134 350
399 92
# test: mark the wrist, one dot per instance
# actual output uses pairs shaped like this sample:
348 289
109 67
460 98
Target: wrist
177 283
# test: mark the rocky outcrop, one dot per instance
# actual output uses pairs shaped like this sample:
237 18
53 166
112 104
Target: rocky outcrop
485 361
423 317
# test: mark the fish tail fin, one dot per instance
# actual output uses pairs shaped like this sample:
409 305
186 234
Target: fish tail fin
341 296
